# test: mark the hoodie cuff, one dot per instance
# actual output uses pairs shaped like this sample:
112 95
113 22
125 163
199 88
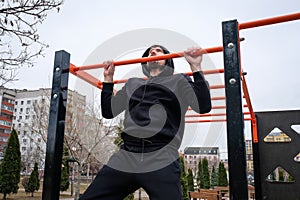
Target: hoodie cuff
108 86
198 76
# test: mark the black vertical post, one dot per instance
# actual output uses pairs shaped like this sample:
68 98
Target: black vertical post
234 113
56 126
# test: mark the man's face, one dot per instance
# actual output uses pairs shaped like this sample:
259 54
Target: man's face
156 51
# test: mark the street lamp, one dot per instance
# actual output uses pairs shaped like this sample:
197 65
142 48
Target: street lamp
72 160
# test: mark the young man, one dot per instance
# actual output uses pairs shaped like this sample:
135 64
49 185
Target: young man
153 127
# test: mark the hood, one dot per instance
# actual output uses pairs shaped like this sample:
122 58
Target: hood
168 70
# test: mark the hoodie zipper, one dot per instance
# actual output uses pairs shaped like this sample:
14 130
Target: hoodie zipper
143 148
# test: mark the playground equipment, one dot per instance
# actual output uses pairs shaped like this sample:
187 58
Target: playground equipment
235 89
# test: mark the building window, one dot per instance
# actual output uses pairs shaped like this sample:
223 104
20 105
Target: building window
28 101
23 148
27 110
16 102
27 117
20 117
22 102
21 110
5 107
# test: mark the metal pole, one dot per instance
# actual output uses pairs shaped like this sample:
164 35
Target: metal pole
55 138
234 113
72 180
77 192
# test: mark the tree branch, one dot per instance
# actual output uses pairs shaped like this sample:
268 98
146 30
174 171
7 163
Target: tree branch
19 33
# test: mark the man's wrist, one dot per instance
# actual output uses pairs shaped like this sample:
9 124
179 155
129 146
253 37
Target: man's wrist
108 79
196 68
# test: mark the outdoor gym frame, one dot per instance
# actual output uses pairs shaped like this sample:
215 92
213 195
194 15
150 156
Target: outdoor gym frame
235 84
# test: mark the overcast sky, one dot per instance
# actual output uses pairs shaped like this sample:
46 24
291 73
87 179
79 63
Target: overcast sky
270 54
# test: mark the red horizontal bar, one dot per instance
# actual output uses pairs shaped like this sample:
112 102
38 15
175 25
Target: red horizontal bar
213 120
218 107
218 98
211 71
217 86
148 59
206 72
211 114
205 115
269 21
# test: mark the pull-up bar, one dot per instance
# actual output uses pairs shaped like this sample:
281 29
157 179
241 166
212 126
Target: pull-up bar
148 59
269 21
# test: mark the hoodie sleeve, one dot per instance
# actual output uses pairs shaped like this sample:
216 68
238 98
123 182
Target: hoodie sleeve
197 93
112 105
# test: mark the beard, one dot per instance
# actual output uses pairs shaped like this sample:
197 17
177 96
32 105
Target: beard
154 65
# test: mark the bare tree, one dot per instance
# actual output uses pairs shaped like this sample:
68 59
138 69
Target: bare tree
19 39
89 141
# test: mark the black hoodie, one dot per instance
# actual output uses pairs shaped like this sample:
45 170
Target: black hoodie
155 108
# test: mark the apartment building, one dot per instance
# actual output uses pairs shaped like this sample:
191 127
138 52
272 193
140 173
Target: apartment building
31 118
7 102
276 135
30 121
249 157
192 156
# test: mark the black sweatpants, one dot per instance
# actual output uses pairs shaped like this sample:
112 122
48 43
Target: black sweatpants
111 184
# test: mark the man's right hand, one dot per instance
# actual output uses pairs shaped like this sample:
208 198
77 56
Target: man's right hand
109 71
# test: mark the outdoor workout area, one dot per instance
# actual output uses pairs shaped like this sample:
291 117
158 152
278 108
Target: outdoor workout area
266 156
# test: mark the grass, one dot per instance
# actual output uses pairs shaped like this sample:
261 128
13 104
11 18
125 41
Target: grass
22 195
